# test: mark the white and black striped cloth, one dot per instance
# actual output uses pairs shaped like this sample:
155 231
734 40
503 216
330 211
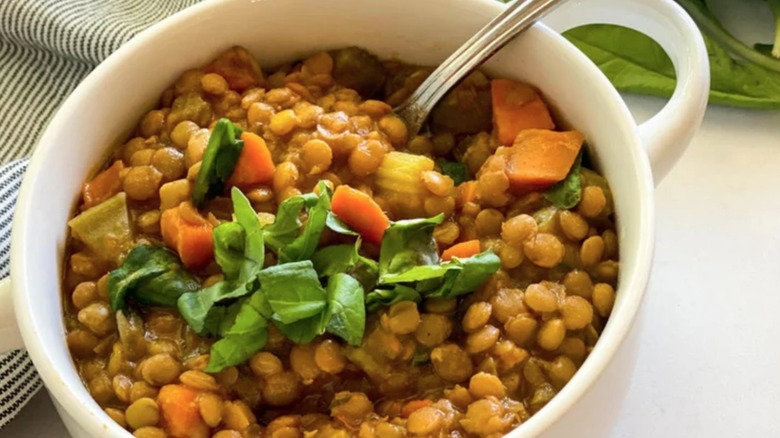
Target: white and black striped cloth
46 48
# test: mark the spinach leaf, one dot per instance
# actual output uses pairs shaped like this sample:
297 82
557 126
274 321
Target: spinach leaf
407 244
567 193
337 225
229 243
458 171
139 272
303 246
166 288
293 291
346 308
287 223
634 63
387 297
305 330
254 245
247 335
240 252
345 258
219 160
198 308
472 273
457 276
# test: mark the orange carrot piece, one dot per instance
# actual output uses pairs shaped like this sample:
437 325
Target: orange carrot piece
238 67
180 413
462 250
517 106
467 192
414 405
103 186
255 164
360 212
541 158
192 241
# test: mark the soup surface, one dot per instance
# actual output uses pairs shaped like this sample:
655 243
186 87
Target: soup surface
272 255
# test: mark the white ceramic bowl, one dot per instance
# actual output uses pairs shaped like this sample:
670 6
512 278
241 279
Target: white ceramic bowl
109 102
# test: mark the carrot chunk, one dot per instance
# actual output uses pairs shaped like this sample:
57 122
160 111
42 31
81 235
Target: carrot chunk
190 239
238 67
462 250
180 413
517 106
360 212
255 164
103 186
541 158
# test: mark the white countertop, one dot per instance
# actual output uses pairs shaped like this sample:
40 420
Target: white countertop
709 362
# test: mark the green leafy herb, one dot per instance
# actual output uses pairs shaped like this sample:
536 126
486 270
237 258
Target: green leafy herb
458 276
387 297
458 171
407 244
345 258
635 63
240 252
567 193
293 291
153 276
219 160
303 246
247 335
337 225
304 330
346 308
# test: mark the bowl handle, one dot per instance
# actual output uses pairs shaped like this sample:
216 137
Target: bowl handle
668 133
10 338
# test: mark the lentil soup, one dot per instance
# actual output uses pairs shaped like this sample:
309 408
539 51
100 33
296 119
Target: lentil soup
272 255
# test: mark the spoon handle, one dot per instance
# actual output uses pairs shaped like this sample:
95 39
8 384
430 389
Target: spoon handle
518 16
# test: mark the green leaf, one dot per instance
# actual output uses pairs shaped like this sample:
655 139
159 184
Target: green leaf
198 308
634 63
139 272
345 258
304 330
166 288
567 193
219 160
407 244
387 297
245 336
293 291
287 224
303 246
346 309
229 244
254 245
457 276
458 171
338 226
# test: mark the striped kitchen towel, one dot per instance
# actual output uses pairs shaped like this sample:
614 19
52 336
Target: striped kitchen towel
46 48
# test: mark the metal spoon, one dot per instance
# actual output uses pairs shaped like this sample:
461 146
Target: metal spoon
517 17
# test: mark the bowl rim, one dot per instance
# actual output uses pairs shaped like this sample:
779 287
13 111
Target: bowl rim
99 424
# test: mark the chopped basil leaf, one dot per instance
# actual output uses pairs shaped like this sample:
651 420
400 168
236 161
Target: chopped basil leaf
219 160
345 258
303 246
346 308
338 226
387 297
293 291
140 271
304 330
198 308
407 244
245 336
567 193
458 171
472 272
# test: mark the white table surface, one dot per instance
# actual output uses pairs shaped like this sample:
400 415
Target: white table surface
709 364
